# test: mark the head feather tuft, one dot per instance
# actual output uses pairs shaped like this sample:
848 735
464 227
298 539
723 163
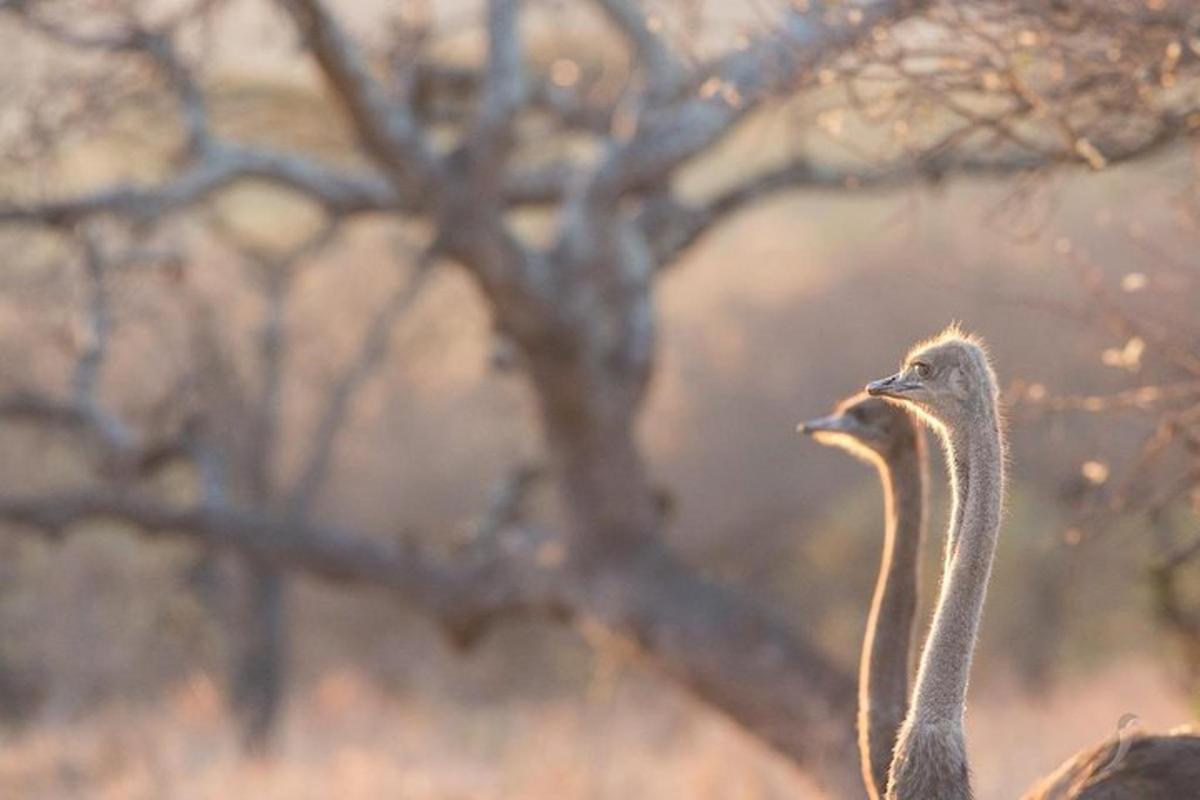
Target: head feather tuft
953 332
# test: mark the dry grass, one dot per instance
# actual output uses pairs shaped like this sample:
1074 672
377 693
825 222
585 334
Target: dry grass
347 738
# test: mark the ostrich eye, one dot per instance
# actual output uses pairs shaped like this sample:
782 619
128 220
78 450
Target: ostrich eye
923 370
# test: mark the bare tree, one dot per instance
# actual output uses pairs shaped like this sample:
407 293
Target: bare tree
1010 87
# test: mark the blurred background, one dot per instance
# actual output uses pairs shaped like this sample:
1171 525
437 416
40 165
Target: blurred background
238 338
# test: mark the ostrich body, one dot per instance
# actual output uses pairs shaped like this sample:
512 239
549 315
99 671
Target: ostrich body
888 437
950 383
1129 766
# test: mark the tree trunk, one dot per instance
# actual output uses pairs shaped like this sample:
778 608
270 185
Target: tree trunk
259 671
730 652
738 657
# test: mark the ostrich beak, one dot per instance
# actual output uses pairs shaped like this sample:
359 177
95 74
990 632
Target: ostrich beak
893 386
834 422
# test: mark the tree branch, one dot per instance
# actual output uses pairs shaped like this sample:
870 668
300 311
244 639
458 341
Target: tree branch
505 506
123 451
665 75
674 227
156 45
387 130
340 193
91 358
503 91
371 352
461 592
220 166
668 137
191 99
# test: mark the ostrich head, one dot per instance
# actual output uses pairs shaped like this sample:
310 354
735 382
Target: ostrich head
867 427
947 379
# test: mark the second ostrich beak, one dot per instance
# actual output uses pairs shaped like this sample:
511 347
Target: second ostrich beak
834 422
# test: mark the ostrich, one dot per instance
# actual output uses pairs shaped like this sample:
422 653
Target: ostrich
885 435
1129 766
949 382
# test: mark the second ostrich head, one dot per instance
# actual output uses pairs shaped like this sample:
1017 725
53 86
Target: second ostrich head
941 378
868 427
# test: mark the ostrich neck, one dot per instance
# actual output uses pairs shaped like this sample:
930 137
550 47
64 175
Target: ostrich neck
941 688
883 671
958 467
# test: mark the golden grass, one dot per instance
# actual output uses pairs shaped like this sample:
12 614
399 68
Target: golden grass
345 737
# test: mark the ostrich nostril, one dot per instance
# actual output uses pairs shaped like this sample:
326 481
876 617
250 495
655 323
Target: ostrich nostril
876 388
